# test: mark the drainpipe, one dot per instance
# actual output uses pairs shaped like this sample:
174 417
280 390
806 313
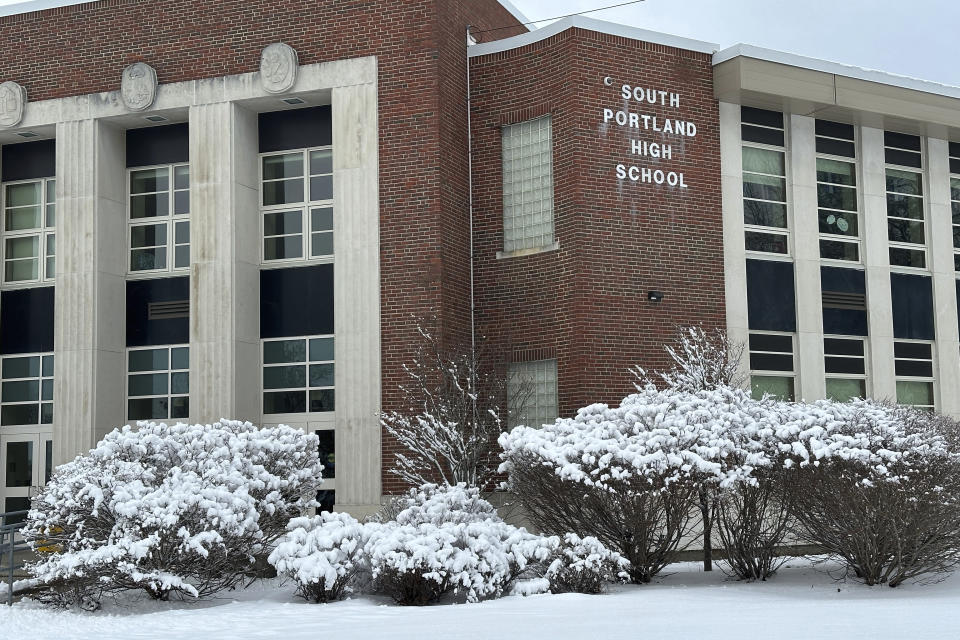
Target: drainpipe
473 329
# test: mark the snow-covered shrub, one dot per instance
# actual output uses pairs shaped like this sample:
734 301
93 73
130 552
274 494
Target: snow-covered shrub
877 486
630 475
583 565
324 555
418 564
445 505
181 509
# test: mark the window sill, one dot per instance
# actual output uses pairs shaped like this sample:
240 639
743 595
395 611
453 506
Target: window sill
532 251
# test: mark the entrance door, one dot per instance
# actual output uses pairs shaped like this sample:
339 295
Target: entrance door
24 468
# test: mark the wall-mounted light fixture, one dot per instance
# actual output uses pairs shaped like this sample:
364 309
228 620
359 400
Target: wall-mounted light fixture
654 296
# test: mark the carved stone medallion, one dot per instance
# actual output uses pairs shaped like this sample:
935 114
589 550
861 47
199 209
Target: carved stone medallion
138 86
278 67
13 99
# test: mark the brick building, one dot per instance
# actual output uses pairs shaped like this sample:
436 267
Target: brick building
243 209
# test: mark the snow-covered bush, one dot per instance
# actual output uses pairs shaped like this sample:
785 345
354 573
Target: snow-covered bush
324 555
181 509
445 505
877 486
631 475
583 565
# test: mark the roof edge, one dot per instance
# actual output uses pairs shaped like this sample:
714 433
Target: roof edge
519 15
590 24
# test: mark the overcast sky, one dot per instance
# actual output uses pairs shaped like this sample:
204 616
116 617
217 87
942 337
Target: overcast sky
917 38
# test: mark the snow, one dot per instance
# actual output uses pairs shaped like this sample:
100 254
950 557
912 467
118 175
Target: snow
800 602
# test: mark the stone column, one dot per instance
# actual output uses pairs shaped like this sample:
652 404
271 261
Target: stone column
90 286
876 257
357 295
944 277
734 251
224 269
806 250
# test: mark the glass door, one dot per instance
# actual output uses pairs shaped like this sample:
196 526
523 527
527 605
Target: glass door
24 465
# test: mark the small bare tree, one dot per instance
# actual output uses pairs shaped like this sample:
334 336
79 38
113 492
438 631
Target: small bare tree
702 360
453 415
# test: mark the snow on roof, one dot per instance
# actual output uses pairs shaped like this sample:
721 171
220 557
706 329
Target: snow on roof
35 5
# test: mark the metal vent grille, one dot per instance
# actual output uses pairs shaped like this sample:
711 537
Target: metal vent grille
168 310
842 300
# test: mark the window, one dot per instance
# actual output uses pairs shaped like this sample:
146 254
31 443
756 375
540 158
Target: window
905 211
29 230
528 184
771 365
837 191
158 383
955 200
913 366
297 204
298 375
764 180
159 218
26 390
532 393
846 368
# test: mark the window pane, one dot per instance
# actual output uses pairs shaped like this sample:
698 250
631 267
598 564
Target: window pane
180 358
833 364
283 166
321 244
771 362
28 247
778 386
181 177
180 407
907 257
18 270
321 161
181 256
147 259
916 350
149 206
20 391
836 172
148 360
27 367
23 218
21 195
321 219
181 202
772 137
321 188
327 452
147 408
914 392
837 197
46 390
46 413
148 235
19 414
904 206
843 390
282 223
907 182
321 375
764 187
905 231
322 400
47 365
766 214
180 382
152 384
19 464
149 180
290 377
769 242
279 351
838 223
763 161
182 233
321 349
282 248
285 402
836 147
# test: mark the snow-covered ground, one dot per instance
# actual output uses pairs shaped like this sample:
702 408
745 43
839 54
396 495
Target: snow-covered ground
800 602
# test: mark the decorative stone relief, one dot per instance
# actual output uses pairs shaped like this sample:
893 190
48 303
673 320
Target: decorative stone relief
13 99
278 67
138 86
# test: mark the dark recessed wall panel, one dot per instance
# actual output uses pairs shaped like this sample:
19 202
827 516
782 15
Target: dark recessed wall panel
144 332
295 129
169 144
26 320
912 306
296 302
847 322
771 303
29 160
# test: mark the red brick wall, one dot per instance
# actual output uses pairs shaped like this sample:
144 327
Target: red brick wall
83 49
587 301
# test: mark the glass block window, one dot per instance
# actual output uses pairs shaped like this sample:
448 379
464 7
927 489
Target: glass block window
764 180
838 206
26 389
913 366
29 231
158 383
845 363
955 200
298 375
772 369
159 218
532 393
528 184
905 210
297 205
